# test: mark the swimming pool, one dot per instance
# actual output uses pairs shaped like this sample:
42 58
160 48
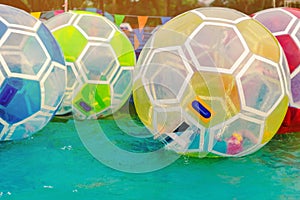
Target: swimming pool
54 163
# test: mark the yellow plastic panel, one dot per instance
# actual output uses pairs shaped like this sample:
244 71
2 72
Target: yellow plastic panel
221 13
142 104
219 94
274 120
232 97
176 31
260 40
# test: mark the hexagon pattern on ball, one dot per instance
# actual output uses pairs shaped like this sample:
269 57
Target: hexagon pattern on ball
284 23
212 81
32 74
100 61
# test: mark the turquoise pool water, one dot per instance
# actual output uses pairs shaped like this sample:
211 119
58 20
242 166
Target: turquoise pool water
54 164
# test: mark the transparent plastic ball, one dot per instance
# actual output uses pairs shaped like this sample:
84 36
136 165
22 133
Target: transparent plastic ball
100 60
212 81
32 74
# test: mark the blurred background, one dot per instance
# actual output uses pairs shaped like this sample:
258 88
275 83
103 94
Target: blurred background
150 7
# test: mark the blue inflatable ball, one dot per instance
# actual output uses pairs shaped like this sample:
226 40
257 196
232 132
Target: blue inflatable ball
32 74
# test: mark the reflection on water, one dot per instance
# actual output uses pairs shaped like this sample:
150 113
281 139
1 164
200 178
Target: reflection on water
282 151
54 162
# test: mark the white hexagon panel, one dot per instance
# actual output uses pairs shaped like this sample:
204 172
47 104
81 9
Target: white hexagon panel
260 85
223 51
19 57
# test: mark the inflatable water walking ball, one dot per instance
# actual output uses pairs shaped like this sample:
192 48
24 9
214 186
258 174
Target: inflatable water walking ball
211 82
32 74
284 23
100 61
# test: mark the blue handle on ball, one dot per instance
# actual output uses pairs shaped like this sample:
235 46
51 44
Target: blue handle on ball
7 94
201 109
85 106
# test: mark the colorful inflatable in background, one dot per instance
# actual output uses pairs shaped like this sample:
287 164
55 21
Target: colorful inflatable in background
99 76
32 74
212 81
284 23
100 60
